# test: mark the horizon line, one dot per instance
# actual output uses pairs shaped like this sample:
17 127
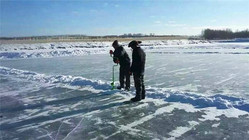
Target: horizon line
83 35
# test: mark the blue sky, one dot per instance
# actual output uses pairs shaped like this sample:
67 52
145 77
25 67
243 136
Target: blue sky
115 17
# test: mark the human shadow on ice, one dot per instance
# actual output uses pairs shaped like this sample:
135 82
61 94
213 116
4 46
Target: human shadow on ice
86 109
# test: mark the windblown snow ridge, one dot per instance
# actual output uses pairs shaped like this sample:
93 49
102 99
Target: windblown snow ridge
15 51
41 50
198 101
55 79
219 101
10 51
50 53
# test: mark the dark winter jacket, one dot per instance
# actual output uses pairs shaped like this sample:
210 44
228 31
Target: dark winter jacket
122 56
138 61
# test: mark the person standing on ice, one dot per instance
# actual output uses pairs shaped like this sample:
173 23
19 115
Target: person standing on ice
137 69
120 56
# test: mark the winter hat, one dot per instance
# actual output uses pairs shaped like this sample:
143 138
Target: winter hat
115 43
134 43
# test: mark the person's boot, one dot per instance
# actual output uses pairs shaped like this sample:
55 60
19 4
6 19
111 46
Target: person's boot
143 94
135 99
127 89
143 97
119 87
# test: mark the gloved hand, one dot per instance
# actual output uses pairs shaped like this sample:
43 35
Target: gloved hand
111 52
117 61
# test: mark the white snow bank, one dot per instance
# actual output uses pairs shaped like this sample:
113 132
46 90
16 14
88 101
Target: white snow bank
10 51
69 80
15 51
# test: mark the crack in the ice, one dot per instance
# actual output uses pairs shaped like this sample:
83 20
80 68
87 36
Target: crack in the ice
48 133
73 129
58 130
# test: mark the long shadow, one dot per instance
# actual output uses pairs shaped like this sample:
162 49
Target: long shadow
54 102
59 115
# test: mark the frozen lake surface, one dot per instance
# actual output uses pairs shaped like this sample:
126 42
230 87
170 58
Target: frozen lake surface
194 90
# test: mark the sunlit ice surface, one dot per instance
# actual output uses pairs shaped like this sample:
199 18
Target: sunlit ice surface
194 90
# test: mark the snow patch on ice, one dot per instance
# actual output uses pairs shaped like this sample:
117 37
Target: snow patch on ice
98 121
179 131
185 107
157 102
212 113
141 106
129 128
104 99
216 125
75 105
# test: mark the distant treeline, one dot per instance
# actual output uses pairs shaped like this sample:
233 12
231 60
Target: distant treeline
224 34
68 37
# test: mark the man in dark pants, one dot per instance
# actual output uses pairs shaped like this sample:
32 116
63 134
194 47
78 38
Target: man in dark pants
120 56
137 68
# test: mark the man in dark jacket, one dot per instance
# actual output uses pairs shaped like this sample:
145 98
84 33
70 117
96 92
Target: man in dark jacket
120 56
137 68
